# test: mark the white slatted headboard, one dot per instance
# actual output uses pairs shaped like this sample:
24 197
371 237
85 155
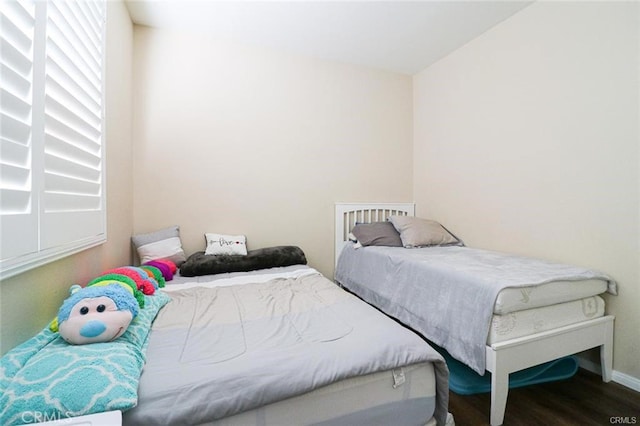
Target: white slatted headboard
347 214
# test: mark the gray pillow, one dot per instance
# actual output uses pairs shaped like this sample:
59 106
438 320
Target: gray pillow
377 234
417 232
162 244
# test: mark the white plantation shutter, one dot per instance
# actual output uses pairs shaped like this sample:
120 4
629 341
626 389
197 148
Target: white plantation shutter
18 206
54 158
72 195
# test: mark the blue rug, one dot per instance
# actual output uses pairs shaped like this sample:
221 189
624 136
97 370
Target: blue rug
464 381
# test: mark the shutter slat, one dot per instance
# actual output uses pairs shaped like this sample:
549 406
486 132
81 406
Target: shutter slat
14 34
65 15
92 27
14 202
14 129
71 119
65 149
70 67
60 166
63 132
94 8
70 43
61 94
15 153
22 13
14 177
69 186
11 56
54 202
94 11
18 84
57 74
15 106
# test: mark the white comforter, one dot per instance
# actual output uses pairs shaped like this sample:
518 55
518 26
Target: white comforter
226 346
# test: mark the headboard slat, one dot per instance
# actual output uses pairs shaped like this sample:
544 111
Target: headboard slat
348 214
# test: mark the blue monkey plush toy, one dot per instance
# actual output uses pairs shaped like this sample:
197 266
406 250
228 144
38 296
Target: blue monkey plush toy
96 313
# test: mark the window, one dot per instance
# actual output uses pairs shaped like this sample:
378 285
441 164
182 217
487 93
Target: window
52 192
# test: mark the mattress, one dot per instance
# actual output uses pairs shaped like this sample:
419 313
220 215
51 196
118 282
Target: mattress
357 400
413 286
536 320
252 348
520 298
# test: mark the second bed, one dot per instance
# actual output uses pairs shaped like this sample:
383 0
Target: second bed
489 310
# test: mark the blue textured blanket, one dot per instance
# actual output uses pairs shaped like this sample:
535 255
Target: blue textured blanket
46 378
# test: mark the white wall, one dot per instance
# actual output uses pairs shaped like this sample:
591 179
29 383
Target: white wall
29 301
526 140
238 140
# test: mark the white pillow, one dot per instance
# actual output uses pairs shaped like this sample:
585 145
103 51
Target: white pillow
226 244
162 244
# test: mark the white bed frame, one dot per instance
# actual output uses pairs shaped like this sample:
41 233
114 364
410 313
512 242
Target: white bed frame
512 355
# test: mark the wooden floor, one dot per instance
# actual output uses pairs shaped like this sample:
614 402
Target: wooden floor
581 400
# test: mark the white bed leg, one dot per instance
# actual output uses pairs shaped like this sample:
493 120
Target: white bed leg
516 354
499 392
606 353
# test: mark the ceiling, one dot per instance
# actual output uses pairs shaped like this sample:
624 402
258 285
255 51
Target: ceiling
398 36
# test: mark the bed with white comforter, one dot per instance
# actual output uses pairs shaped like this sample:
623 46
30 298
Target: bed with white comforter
283 346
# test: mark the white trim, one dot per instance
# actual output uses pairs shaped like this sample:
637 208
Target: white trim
18 265
626 380
623 379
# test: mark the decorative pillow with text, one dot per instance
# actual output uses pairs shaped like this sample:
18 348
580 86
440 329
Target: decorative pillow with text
226 244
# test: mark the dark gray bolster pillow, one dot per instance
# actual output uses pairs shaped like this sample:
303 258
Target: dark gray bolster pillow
269 257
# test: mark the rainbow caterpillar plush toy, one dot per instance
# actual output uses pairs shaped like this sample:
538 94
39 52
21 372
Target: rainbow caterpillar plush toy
103 310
